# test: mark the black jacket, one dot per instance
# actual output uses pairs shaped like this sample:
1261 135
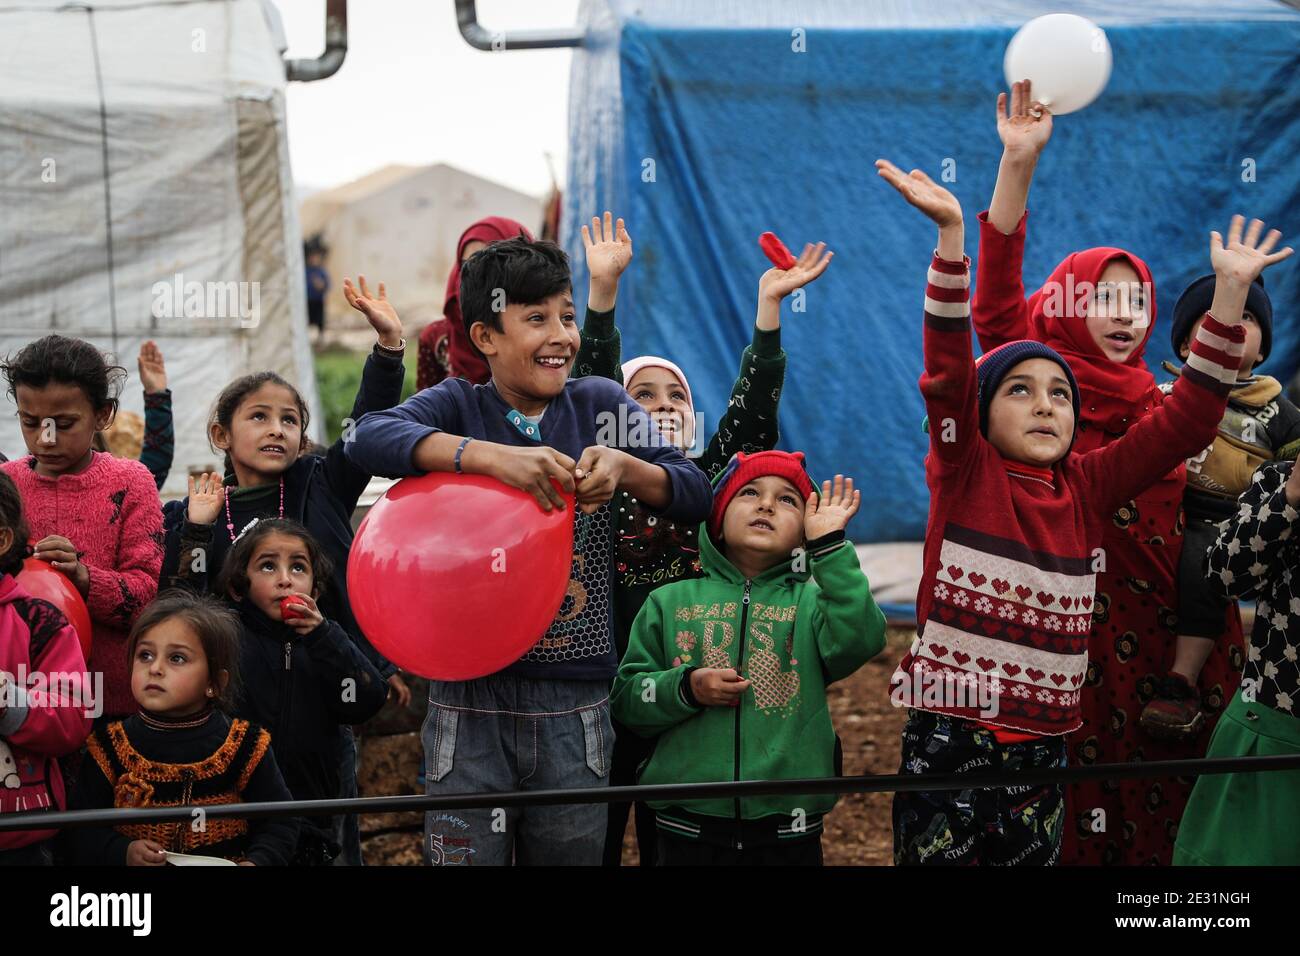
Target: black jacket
320 492
303 690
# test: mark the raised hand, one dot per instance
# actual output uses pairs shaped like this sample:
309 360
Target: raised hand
206 498
153 374
832 509
776 284
1242 259
378 311
1027 127
938 204
609 248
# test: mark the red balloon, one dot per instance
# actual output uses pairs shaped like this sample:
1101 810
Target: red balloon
41 580
454 577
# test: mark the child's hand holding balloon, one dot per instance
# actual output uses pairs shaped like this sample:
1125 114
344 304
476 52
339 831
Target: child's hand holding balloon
1027 126
60 553
787 274
299 611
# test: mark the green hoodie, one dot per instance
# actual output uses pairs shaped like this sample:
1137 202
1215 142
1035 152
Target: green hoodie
802 630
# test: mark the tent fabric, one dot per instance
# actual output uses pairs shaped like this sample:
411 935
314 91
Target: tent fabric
701 125
140 141
403 223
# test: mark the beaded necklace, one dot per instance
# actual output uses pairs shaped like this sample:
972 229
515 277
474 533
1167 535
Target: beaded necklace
230 522
181 723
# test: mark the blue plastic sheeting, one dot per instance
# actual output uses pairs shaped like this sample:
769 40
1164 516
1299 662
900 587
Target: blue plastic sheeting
704 137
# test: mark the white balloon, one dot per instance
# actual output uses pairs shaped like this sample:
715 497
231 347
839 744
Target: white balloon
1066 57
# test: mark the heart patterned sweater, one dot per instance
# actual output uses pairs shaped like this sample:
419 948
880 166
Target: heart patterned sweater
1012 552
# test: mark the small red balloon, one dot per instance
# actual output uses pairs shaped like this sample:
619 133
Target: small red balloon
454 577
775 250
41 580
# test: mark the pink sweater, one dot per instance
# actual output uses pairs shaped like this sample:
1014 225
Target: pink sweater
39 648
112 514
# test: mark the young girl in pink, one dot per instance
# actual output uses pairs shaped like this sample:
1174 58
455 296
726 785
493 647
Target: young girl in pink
94 517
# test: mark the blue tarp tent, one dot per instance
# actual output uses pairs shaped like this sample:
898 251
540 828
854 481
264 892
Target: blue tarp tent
703 126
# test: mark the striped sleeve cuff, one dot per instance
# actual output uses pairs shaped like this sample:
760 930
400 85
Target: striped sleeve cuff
1216 355
947 295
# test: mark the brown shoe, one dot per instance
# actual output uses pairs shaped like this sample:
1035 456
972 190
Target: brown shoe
1175 712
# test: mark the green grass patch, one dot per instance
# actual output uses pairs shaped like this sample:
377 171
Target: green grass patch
338 377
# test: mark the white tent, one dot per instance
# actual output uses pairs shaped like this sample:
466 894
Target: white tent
145 193
400 224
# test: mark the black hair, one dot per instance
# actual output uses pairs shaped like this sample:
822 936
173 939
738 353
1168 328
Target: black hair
57 358
218 631
233 395
526 271
234 573
11 517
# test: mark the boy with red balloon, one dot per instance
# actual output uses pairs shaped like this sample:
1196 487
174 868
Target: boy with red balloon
534 429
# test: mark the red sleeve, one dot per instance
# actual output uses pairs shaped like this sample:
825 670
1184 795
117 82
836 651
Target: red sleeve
54 722
1181 426
1000 311
948 384
118 594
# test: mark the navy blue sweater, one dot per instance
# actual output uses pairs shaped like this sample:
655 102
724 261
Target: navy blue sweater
579 643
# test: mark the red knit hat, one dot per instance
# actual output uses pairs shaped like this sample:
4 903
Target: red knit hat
743 468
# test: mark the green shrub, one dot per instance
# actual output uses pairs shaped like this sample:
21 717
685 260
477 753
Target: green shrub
338 376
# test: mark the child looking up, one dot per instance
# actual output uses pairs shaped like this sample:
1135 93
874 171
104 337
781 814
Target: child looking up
1097 309
730 670
1008 579
653 552
260 423
302 677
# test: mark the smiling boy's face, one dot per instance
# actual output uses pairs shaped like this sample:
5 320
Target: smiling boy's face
533 352
1031 416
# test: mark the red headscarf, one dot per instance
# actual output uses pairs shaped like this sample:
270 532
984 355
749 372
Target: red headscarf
1113 394
466 363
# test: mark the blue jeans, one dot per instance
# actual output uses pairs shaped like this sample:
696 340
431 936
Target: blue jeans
347 828
500 734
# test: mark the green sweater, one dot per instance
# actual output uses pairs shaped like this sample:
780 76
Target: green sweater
800 630
651 551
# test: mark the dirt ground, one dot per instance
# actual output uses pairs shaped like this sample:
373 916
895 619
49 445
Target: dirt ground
857 831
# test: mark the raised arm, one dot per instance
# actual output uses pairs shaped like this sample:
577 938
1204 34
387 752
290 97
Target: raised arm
1187 421
749 422
609 250
381 386
948 384
999 309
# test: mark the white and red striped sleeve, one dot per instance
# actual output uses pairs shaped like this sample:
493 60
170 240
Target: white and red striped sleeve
1216 355
949 384
1182 426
